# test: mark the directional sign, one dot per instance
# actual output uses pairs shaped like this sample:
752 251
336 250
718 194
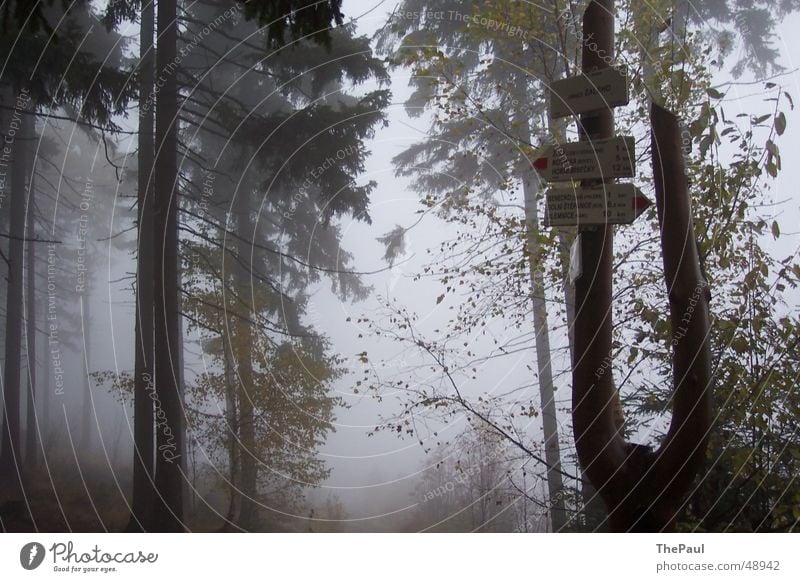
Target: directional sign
607 158
609 204
589 92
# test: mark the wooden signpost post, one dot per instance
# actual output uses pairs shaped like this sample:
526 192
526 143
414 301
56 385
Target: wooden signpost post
642 489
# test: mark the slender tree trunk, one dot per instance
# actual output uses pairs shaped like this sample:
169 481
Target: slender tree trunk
32 424
530 187
11 487
87 409
552 447
143 498
243 341
232 418
45 395
169 413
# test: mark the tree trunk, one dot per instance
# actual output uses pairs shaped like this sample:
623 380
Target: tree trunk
169 414
31 423
531 185
143 499
680 456
600 446
11 487
243 341
552 447
87 406
642 490
232 418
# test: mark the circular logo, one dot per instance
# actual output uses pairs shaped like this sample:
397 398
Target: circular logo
31 555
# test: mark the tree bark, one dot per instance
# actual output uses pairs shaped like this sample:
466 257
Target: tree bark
232 419
552 446
168 408
143 498
11 487
680 456
87 406
600 446
642 490
242 337
31 423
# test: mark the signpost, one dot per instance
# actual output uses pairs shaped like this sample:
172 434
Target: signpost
598 159
589 92
607 204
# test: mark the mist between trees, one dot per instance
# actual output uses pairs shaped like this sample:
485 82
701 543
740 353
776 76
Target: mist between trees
288 272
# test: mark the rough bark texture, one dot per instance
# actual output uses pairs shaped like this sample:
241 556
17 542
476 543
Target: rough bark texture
168 408
143 423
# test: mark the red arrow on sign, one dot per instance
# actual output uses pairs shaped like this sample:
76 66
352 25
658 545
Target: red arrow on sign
640 204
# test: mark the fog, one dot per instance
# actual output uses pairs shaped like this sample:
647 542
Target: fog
356 347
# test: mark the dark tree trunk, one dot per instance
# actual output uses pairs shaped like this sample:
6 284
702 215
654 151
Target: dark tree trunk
232 417
87 406
643 490
45 395
243 340
169 473
11 488
596 435
143 498
680 456
31 423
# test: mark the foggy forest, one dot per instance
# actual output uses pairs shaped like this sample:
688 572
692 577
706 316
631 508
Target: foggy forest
342 266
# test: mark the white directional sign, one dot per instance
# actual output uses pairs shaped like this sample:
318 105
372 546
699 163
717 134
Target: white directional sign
589 92
609 204
606 158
